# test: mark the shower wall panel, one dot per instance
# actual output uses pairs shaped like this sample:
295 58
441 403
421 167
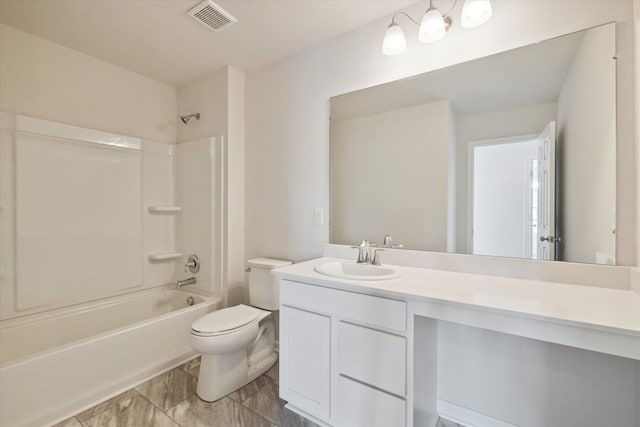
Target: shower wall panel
159 230
78 222
200 187
84 214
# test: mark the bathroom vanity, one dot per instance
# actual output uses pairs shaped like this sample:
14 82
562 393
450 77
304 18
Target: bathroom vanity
365 352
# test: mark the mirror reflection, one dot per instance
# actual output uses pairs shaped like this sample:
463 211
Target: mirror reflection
509 155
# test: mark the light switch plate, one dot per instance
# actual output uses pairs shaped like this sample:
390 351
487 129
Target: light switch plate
318 216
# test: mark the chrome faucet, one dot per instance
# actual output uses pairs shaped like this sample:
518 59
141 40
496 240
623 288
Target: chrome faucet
364 252
376 257
185 282
388 243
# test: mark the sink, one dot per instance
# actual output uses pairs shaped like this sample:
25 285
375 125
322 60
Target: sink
353 271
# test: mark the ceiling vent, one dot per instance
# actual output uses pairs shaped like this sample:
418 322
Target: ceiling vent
212 16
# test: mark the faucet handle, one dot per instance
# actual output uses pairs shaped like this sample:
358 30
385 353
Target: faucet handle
376 257
192 264
363 252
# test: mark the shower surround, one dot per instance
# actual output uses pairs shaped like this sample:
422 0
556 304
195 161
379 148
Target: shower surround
96 228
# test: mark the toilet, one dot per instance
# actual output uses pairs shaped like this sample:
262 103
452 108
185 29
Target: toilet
237 343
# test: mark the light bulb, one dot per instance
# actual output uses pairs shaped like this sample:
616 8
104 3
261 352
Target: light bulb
475 12
432 27
394 41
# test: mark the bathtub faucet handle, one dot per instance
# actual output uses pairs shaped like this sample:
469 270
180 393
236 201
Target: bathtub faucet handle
193 264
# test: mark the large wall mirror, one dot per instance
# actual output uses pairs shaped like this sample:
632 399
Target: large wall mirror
509 155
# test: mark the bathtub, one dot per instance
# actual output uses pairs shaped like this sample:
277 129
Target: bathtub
55 364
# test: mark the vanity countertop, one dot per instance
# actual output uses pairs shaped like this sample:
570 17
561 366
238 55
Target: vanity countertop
604 309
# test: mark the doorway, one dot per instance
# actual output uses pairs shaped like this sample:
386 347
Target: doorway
503 197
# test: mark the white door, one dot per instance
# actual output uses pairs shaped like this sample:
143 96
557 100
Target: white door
546 192
305 361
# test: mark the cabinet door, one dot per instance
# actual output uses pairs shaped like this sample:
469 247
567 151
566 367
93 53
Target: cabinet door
305 356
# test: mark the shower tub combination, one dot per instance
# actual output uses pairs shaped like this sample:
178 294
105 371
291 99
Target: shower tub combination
55 364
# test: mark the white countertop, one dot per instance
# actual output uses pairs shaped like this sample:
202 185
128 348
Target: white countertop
604 309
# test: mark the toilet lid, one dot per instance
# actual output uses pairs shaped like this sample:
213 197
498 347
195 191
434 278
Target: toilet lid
225 319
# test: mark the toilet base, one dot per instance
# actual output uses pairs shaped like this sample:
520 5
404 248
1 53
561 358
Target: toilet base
221 375
224 373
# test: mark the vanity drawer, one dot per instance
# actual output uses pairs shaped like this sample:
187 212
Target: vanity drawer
373 357
374 311
363 406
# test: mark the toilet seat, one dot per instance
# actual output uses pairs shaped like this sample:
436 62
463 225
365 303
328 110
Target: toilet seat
225 321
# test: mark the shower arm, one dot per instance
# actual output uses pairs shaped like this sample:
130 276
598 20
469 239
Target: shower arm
185 119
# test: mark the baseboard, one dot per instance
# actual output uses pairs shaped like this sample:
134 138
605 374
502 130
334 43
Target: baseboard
302 413
468 417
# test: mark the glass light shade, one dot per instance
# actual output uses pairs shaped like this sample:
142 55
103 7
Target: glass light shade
394 41
475 12
432 27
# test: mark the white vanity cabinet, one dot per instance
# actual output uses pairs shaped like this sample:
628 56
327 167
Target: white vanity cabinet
343 355
305 340
404 352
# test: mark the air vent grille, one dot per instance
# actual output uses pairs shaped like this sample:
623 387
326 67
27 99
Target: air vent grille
212 16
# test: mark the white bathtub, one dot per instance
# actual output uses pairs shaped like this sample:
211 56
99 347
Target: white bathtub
53 365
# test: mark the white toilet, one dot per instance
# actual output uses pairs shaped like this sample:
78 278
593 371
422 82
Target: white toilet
238 343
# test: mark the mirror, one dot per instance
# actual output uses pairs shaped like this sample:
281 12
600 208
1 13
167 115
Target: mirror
508 155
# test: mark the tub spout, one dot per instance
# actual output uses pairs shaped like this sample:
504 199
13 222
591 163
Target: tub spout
185 282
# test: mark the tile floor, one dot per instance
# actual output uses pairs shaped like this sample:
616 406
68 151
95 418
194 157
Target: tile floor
170 400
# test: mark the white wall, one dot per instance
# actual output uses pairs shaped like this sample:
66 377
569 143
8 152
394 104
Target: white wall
45 80
587 149
219 98
636 16
527 120
376 160
288 109
208 96
235 289
452 180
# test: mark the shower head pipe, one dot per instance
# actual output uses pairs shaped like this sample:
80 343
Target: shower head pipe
185 119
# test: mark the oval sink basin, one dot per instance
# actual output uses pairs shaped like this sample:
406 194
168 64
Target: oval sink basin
353 271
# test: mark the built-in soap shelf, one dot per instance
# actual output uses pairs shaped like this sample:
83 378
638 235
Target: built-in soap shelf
169 210
165 256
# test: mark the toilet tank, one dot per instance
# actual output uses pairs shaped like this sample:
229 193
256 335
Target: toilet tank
264 287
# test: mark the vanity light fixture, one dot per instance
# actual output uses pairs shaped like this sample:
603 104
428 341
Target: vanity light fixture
475 13
434 24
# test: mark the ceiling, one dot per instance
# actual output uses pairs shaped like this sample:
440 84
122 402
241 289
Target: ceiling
158 39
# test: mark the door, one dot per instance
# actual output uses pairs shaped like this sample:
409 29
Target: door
546 192
305 361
